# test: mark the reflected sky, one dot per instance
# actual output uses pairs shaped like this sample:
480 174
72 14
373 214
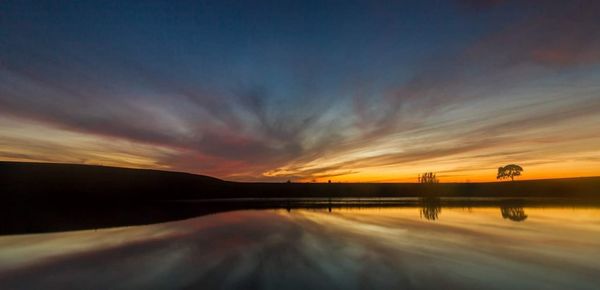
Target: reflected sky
376 248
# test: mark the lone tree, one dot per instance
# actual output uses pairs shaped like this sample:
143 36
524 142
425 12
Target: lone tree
509 171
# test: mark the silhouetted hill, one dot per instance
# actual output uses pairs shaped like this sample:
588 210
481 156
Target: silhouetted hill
48 182
43 182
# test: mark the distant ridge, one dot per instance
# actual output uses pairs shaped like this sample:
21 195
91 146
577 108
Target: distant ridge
16 165
27 181
30 167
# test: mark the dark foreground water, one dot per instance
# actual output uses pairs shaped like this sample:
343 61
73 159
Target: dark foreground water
369 248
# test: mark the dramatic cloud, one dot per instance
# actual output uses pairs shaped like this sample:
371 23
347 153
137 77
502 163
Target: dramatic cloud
279 91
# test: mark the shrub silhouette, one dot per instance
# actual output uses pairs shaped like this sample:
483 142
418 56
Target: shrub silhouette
428 177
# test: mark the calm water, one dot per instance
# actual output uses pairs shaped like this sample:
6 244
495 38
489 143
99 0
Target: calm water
375 248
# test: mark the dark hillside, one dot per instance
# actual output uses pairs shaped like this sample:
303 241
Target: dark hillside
35 182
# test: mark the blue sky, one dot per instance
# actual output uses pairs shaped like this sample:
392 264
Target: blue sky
303 90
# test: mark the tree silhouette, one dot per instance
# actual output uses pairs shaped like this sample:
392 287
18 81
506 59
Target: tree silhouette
509 171
428 177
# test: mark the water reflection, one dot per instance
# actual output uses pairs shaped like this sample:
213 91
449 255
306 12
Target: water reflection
516 214
347 248
431 208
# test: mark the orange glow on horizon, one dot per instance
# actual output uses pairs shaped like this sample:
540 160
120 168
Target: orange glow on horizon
33 142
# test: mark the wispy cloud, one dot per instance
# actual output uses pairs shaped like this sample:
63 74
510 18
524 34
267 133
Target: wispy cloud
313 114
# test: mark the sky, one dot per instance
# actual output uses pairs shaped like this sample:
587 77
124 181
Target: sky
347 91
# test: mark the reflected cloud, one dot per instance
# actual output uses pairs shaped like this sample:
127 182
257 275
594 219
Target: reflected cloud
316 249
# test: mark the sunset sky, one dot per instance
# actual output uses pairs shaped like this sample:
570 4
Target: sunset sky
369 91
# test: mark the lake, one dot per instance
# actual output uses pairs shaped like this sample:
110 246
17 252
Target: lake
408 247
